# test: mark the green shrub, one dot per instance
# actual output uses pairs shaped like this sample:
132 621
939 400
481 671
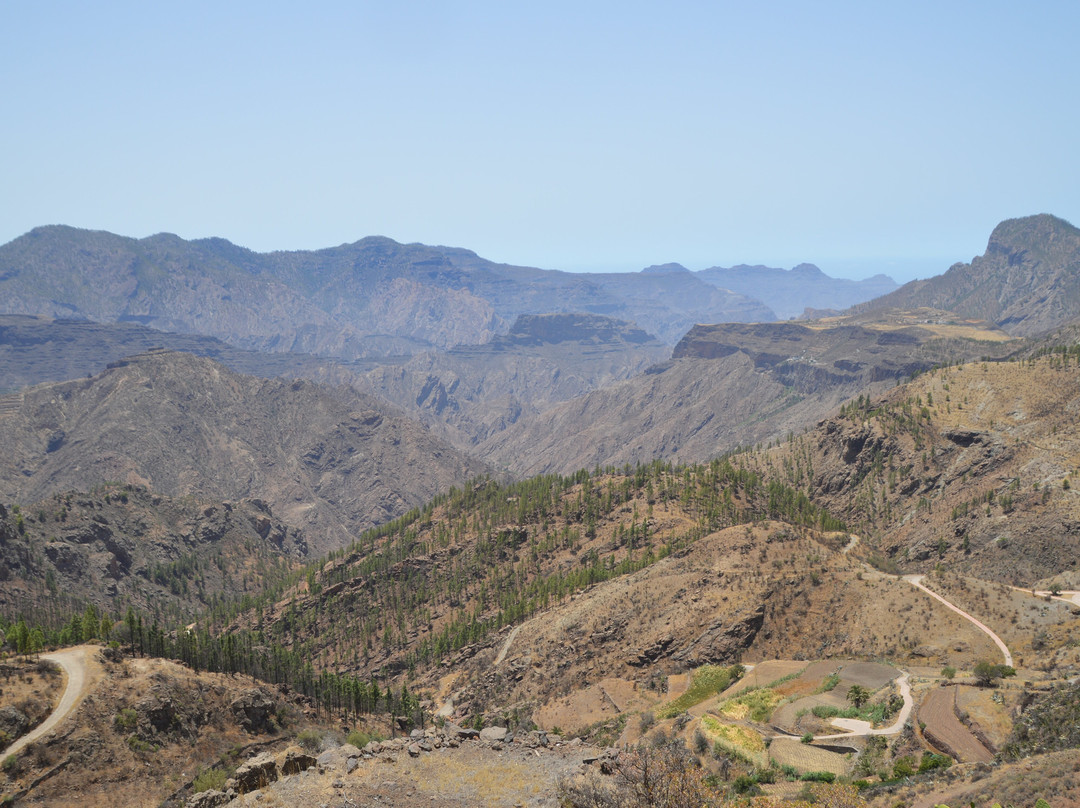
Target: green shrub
210 779
904 767
746 785
126 720
137 744
310 739
360 739
930 761
818 777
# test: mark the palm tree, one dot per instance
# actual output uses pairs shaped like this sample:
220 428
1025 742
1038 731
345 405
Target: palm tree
858 695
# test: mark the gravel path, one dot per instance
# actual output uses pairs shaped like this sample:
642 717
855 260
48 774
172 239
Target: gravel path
916 581
73 662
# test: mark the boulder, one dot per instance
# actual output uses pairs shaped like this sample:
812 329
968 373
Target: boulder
493 734
338 757
454 731
257 773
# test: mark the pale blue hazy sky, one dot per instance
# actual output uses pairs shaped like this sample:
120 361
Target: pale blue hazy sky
859 136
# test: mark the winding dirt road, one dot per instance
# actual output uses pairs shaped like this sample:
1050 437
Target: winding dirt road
916 581
858 727
73 662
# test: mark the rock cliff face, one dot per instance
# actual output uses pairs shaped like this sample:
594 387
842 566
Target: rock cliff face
1027 281
331 462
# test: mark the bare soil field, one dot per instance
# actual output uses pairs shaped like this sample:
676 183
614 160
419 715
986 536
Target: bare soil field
944 729
871 675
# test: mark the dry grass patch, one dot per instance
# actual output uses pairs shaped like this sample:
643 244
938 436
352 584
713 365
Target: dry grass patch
988 710
753 705
739 741
807 757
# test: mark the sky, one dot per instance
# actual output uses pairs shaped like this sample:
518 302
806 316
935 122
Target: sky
600 136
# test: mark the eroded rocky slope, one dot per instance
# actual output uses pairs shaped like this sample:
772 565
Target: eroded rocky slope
330 461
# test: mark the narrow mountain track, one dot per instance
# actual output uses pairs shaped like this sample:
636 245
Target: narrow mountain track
73 661
917 582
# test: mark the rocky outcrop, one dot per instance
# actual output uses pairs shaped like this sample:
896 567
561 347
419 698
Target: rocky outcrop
212 798
256 773
13 724
1027 281
296 761
254 711
724 640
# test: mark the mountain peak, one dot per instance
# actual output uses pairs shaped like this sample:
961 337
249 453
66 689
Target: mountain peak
1039 231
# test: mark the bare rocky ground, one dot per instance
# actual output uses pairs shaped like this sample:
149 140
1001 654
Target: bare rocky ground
144 730
436 769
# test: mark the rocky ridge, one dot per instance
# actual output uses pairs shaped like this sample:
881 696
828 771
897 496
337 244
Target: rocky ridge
375 297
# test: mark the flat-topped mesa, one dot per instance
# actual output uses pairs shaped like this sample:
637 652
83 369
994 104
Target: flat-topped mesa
531 329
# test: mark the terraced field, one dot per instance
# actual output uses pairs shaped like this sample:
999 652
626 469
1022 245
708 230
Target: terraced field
944 729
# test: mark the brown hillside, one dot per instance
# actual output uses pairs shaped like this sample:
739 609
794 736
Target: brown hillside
330 461
144 730
971 466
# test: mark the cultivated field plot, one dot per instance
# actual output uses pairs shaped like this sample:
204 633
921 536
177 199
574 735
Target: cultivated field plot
795 716
807 757
944 730
871 675
764 674
736 738
991 716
